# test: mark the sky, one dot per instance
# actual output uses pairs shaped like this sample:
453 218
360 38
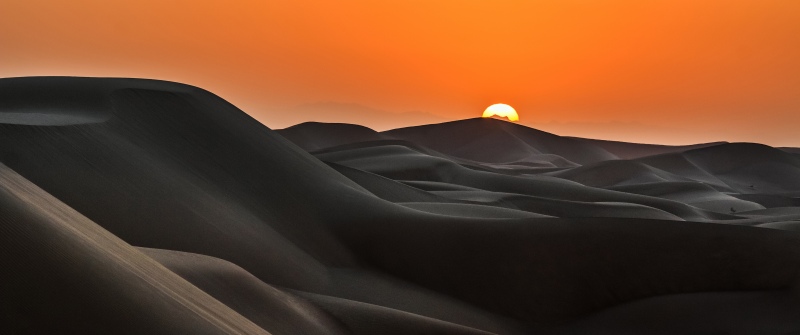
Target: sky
651 71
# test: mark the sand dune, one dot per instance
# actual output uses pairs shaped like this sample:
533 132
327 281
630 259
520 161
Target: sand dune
627 150
62 273
599 262
313 136
795 151
367 319
793 225
759 312
495 141
401 163
749 167
467 227
161 173
617 173
437 186
47 102
770 200
472 210
560 208
681 165
386 188
693 193
270 308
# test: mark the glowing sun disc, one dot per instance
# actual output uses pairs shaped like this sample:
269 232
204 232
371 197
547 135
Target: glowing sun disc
502 110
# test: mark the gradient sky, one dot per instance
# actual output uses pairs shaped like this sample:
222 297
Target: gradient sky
671 71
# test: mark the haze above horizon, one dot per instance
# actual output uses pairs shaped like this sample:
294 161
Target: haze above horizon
671 72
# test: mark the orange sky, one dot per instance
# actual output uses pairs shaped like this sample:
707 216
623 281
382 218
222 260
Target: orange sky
671 71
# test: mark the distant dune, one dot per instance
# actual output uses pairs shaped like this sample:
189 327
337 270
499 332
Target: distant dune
626 150
791 150
146 207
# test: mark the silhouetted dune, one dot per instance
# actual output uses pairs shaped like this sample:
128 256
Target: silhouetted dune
438 229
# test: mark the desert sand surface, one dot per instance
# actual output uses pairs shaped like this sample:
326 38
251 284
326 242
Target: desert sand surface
132 206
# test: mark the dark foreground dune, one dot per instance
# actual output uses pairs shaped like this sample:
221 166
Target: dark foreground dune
146 207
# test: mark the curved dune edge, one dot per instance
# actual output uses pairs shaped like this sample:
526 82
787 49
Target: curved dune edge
66 101
76 261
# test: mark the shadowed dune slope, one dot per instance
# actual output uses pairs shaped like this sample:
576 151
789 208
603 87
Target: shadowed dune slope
770 200
680 165
313 136
367 319
783 225
750 167
472 211
638 178
549 271
616 173
272 309
741 167
64 274
288 311
791 150
496 141
693 193
176 167
400 163
735 313
560 208
386 188
627 150
426 151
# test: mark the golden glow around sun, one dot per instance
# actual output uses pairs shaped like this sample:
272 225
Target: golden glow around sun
502 110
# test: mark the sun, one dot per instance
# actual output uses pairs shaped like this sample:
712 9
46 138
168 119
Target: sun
502 110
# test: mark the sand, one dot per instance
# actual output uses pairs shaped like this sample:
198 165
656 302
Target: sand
140 206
